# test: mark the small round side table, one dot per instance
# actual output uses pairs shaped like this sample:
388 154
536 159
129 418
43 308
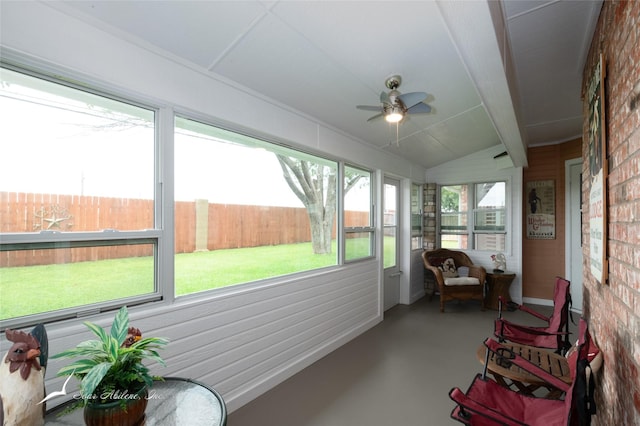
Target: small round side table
498 284
173 401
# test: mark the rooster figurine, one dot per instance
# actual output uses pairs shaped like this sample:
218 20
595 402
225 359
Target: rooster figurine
22 378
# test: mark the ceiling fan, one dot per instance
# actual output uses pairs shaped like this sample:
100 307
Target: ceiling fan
395 106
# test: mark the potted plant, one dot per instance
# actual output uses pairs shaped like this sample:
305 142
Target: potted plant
113 378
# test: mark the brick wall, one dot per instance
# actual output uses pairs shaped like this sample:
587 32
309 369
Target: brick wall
613 309
429 230
429 224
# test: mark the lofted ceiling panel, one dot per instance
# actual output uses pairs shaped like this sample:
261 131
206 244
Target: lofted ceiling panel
549 61
197 31
422 146
471 129
322 58
563 130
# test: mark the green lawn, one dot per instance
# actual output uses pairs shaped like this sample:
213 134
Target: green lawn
36 289
220 268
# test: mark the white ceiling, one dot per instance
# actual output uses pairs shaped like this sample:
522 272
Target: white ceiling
322 58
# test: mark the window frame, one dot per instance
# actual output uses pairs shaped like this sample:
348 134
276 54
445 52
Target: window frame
14 242
49 239
161 235
469 212
195 123
370 229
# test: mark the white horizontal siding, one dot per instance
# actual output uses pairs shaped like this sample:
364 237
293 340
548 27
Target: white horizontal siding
246 342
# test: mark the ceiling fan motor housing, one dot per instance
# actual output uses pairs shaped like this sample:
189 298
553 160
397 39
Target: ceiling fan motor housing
394 97
396 106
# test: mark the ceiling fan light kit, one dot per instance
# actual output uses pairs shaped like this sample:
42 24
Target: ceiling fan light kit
394 105
394 114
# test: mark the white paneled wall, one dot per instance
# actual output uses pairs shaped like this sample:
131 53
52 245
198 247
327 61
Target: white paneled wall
243 340
417 276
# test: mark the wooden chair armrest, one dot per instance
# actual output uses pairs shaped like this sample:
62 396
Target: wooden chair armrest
477 272
525 364
437 272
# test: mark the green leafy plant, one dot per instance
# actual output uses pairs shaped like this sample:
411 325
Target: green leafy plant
111 367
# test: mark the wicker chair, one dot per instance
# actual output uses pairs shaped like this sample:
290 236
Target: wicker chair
450 284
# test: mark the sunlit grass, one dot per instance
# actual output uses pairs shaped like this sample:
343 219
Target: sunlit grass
30 290
207 270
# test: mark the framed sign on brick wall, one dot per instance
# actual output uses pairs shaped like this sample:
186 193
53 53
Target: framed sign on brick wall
598 172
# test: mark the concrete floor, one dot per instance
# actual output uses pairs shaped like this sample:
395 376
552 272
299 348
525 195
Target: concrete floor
398 373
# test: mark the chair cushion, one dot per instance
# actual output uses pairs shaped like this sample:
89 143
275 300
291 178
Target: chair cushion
448 268
462 281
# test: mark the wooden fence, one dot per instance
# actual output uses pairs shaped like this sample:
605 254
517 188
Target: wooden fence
199 225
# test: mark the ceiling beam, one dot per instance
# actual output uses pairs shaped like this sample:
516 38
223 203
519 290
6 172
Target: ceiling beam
478 31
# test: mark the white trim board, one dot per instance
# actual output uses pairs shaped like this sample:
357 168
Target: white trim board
536 301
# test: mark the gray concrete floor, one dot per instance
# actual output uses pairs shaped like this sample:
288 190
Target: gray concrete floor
398 373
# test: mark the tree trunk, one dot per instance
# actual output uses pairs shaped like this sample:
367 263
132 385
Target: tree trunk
321 229
307 181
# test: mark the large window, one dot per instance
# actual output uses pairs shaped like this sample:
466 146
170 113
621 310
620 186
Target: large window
489 216
77 190
86 187
477 210
358 214
454 218
247 210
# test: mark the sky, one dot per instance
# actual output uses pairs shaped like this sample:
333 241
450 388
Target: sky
71 147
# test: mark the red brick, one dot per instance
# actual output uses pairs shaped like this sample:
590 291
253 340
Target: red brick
614 310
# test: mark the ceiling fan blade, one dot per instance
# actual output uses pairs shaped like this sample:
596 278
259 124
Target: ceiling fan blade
384 98
419 108
413 98
375 117
369 107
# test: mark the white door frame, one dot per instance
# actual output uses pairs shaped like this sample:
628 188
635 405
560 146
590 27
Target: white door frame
570 274
391 275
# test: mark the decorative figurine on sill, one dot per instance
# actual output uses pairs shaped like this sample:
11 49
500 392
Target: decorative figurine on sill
499 262
22 378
